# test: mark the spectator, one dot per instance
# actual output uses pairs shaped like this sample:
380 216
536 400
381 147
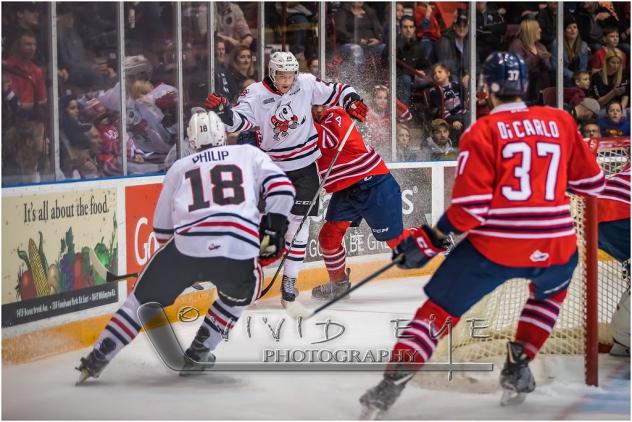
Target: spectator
27 79
515 12
10 102
82 145
359 33
298 24
610 42
241 68
232 27
611 83
614 123
547 18
405 150
490 29
379 122
411 63
453 49
536 56
575 94
26 18
23 152
439 145
587 109
313 66
222 79
591 21
73 56
575 53
447 98
109 156
590 129
428 28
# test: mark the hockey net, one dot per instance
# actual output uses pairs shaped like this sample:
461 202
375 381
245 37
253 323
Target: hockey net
577 330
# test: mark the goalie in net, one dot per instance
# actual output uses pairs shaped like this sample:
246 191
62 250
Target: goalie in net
514 168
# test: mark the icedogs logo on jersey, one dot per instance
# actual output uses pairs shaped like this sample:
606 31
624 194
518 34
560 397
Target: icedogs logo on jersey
283 120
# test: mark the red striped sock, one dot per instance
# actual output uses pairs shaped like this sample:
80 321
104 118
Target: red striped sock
537 320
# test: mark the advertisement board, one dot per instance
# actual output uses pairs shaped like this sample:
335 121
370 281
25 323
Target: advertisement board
47 244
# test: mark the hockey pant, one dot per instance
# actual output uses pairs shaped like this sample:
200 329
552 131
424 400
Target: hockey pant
463 279
167 274
296 253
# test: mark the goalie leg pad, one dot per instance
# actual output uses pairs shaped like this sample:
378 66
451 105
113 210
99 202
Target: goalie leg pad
332 248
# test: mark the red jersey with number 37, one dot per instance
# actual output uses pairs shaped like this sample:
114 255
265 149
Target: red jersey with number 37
356 160
514 168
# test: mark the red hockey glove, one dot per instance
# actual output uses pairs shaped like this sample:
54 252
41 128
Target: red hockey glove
355 107
216 102
419 248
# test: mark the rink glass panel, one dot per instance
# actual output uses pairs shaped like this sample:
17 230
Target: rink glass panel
28 151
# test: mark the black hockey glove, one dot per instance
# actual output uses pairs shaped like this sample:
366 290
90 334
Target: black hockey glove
419 248
272 235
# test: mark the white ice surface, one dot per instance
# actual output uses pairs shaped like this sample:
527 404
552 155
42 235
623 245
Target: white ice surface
136 385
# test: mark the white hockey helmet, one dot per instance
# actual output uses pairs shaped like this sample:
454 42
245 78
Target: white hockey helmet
205 128
282 61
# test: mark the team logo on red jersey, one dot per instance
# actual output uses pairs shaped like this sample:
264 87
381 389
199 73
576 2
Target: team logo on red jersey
283 120
538 256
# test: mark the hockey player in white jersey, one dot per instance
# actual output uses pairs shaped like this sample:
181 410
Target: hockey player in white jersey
281 106
209 228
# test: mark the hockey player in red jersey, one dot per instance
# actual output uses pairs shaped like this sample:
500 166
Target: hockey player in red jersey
614 216
208 223
362 187
614 238
509 198
280 106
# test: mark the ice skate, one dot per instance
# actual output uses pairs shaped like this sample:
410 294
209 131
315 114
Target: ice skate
92 365
198 358
377 400
289 292
516 378
332 289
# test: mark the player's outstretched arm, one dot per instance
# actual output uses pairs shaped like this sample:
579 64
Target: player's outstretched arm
421 246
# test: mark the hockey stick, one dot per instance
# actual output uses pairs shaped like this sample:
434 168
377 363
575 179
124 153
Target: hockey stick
311 205
296 309
104 273
109 276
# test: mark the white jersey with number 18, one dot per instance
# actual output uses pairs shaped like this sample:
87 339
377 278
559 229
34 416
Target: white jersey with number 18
209 201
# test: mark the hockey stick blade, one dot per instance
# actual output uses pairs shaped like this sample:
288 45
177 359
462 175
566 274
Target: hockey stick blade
103 272
296 309
311 205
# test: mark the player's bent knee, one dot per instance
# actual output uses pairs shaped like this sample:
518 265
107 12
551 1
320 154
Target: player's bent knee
332 233
433 312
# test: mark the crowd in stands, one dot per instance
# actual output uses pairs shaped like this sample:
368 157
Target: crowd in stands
432 62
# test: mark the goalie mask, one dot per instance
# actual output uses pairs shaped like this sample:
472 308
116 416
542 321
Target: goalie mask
205 129
282 61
